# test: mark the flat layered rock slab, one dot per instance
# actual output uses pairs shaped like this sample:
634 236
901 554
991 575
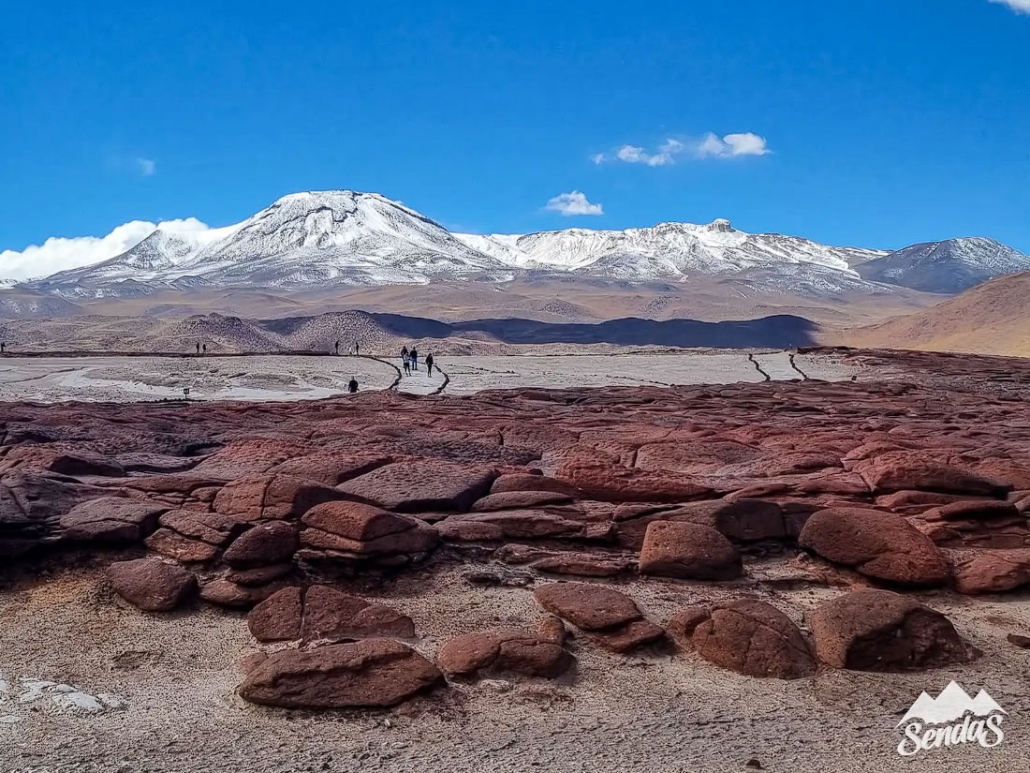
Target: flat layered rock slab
423 486
111 520
323 612
365 531
609 618
504 651
688 551
375 673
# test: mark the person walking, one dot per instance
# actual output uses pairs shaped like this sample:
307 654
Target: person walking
352 385
204 348
3 347
198 347
404 353
337 348
357 349
407 366
414 358
429 363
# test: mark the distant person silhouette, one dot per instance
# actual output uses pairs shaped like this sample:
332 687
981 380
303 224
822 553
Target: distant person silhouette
407 366
3 347
414 358
352 386
357 348
198 347
205 348
404 353
429 363
337 348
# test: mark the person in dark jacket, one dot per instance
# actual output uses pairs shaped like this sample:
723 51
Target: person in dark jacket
429 363
352 386
414 358
198 347
337 348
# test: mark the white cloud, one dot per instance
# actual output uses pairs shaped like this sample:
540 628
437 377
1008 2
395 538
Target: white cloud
665 154
574 203
146 166
60 254
672 150
1019 6
732 145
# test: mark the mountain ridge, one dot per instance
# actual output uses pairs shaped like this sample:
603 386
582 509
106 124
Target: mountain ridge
333 238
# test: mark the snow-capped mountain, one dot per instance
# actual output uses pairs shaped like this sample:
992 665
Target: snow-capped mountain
314 238
949 266
674 251
322 239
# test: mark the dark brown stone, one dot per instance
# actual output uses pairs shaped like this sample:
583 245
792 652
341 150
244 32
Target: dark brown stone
374 673
994 571
514 482
755 639
880 545
626 638
278 617
590 607
152 585
876 630
268 543
174 545
516 500
111 520
687 551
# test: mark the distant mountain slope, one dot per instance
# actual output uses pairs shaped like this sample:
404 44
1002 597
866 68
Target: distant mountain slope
334 239
20 303
993 318
945 267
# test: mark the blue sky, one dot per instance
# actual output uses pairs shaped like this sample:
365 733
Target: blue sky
878 123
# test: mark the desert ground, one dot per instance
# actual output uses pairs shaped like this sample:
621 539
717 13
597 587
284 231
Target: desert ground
259 378
90 680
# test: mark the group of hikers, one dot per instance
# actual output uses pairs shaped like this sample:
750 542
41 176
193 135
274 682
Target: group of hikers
355 350
409 360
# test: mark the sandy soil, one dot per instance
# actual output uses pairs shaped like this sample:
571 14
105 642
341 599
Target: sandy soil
652 711
297 378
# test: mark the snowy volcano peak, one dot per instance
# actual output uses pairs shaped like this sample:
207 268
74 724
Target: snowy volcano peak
321 237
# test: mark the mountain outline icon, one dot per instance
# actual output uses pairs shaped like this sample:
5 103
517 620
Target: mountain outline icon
950 706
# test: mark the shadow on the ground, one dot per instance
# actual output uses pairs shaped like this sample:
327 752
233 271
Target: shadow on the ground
778 331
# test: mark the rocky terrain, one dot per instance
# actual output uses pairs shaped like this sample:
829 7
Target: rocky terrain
713 577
